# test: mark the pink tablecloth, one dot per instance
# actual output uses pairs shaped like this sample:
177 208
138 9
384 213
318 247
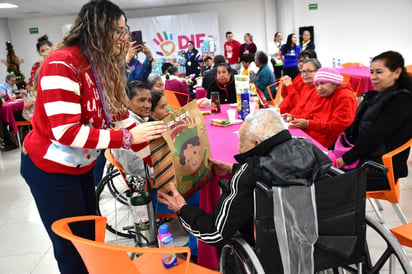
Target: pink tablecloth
359 76
7 111
201 92
223 144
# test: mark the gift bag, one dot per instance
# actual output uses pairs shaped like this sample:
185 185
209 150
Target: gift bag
182 155
342 145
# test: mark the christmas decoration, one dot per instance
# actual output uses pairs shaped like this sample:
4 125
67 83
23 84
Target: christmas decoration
13 65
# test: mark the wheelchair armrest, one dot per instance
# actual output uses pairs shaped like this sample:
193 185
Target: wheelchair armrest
334 171
375 168
267 190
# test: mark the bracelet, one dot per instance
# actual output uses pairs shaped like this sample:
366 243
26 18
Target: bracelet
126 139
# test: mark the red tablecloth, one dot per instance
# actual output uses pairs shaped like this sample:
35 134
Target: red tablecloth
223 144
7 111
359 76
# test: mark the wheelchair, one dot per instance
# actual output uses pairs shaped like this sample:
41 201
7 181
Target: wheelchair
298 233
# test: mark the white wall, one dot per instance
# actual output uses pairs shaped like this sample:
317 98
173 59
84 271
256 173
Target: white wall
354 30
237 17
351 30
24 43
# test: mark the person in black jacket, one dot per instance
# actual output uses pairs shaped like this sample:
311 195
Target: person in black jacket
193 59
210 76
383 119
268 154
224 84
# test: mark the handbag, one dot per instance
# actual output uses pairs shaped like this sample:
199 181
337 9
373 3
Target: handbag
342 145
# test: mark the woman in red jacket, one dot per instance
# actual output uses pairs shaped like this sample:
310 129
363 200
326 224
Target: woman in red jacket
328 112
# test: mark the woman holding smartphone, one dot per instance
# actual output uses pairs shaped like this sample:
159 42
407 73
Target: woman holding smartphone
135 69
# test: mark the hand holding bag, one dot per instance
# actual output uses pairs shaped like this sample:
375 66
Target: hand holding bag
342 145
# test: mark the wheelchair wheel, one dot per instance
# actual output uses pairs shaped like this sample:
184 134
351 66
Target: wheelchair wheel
238 257
390 247
112 202
391 258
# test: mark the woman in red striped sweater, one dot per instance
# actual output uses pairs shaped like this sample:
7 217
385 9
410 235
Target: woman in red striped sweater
80 99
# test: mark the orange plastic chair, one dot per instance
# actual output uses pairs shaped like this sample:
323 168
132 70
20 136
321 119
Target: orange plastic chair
172 100
392 194
408 69
104 258
404 234
278 98
352 64
22 124
356 89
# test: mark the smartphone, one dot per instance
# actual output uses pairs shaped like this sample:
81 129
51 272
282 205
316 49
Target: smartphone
137 37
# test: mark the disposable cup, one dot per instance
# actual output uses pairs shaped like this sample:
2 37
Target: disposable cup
231 114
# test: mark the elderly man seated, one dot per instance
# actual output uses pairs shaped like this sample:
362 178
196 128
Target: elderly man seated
268 154
329 111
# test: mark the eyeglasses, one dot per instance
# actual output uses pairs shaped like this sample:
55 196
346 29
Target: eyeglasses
308 71
120 32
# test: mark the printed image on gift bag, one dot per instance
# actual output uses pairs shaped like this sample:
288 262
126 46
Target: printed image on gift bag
182 155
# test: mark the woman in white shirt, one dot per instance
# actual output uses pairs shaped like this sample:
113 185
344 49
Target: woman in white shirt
273 53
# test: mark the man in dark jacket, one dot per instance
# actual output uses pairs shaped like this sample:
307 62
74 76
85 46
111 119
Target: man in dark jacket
268 154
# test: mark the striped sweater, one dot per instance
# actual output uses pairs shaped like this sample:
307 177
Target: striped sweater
69 124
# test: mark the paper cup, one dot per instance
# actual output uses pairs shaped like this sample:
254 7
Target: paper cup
231 114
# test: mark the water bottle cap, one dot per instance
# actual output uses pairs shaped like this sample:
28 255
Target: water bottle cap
163 229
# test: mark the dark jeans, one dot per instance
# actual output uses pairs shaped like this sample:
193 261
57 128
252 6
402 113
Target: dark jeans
59 196
98 168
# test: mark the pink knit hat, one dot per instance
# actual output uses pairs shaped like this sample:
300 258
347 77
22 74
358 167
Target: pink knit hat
328 75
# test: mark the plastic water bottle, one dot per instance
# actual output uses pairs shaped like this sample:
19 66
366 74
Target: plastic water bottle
338 64
333 63
370 61
143 216
165 239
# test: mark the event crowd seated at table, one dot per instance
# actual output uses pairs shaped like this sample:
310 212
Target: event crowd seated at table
265 156
315 100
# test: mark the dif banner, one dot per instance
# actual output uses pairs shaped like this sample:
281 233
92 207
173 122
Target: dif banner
167 35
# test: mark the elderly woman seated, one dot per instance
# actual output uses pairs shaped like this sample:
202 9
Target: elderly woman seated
224 84
327 113
300 94
265 76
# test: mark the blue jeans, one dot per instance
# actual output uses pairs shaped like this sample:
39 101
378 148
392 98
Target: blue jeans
59 196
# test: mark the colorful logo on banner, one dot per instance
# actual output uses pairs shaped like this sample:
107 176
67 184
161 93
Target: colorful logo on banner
168 46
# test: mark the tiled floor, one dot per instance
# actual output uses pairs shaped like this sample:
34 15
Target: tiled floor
25 246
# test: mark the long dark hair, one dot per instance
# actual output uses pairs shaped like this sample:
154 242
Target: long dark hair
94 30
288 45
392 61
156 96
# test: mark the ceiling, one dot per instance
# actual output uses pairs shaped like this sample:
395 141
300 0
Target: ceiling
45 8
